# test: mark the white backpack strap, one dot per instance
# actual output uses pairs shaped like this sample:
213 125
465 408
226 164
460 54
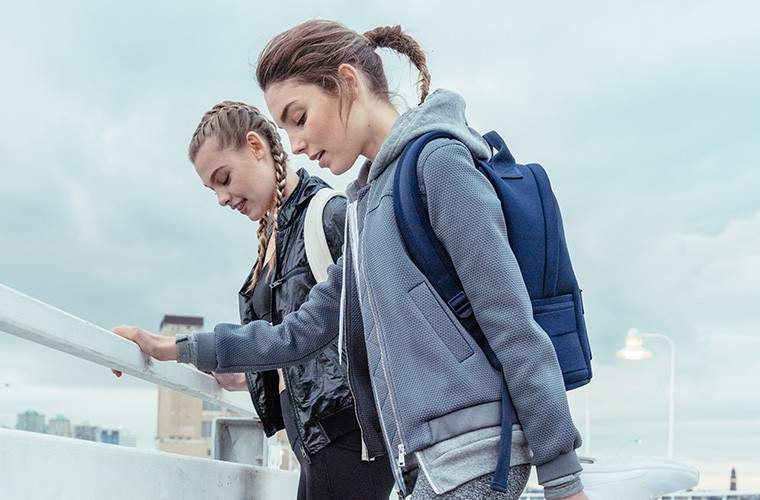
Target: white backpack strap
315 241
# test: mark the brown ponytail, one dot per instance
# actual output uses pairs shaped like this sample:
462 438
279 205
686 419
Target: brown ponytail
393 38
312 52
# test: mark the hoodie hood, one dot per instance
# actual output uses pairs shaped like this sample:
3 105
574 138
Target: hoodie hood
443 110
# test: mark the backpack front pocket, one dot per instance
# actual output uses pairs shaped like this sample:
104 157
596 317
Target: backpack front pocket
557 316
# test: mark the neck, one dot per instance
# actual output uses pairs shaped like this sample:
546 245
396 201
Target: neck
383 119
291 182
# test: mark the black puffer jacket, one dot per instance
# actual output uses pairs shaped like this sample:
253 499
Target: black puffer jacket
318 389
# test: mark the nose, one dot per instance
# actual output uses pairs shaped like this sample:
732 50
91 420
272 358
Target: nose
298 145
222 197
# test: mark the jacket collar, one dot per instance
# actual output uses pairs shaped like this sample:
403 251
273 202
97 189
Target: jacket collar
306 188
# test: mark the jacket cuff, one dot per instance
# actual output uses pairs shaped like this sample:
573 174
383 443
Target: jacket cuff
187 349
563 465
563 487
205 351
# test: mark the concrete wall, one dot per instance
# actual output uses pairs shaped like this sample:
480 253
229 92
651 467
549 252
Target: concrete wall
41 467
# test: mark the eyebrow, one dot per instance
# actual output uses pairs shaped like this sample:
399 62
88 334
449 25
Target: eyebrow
213 174
284 113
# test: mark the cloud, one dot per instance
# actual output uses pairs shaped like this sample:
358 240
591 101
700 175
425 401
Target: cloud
643 115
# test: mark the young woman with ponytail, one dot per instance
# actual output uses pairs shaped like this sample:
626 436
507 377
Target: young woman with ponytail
237 153
412 367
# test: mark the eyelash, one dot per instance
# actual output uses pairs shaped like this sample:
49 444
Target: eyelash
302 120
226 180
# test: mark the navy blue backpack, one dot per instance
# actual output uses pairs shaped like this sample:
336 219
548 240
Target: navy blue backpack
536 237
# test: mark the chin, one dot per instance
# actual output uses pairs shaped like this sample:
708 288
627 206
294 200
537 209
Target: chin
339 169
255 216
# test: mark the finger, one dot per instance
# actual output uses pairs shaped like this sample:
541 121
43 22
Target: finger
223 382
125 331
143 339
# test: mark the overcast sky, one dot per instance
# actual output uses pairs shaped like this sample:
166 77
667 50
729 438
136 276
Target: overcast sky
644 114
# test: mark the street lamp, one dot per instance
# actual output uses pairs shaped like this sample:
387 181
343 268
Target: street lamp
634 350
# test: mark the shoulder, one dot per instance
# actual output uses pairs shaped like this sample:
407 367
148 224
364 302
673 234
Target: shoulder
333 222
443 157
334 208
334 218
443 148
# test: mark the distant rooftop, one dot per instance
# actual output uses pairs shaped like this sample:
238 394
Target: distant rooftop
170 319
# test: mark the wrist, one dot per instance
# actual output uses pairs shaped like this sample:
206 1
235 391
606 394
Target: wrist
168 349
183 347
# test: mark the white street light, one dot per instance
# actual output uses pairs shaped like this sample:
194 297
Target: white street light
587 433
634 350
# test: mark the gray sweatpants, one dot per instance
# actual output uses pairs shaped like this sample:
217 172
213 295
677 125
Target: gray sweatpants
476 489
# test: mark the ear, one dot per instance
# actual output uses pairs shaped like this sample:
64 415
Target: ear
257 144
350 75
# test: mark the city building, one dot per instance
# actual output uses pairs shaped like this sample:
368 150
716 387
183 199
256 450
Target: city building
87 432
118 436
59 426
181 426
32 421
110 436
127 439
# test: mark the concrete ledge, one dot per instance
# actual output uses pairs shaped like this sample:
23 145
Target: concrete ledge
37 466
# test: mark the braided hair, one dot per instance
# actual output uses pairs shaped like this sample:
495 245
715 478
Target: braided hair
229 122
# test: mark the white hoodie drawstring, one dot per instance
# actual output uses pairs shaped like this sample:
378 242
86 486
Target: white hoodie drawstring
341 325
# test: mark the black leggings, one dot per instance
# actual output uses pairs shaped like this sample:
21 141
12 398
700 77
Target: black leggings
337 470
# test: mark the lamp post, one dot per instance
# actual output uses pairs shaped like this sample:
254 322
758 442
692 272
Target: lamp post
587 434
634 350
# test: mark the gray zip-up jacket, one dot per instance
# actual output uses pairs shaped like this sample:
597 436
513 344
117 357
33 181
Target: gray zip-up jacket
430 381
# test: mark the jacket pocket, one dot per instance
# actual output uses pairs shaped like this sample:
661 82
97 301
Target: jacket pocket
440 322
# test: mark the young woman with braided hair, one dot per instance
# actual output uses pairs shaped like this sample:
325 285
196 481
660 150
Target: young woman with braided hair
227 128
237 153
412 366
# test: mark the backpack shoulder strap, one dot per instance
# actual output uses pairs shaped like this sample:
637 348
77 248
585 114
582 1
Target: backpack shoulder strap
431 258
422 245
315 242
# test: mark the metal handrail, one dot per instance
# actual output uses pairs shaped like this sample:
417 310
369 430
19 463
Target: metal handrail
38 322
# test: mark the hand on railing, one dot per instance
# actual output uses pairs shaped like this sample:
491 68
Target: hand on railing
161 347
231 381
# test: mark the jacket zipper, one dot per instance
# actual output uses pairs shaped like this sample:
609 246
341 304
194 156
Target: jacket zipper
273 287
365 450
400 458
345 324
